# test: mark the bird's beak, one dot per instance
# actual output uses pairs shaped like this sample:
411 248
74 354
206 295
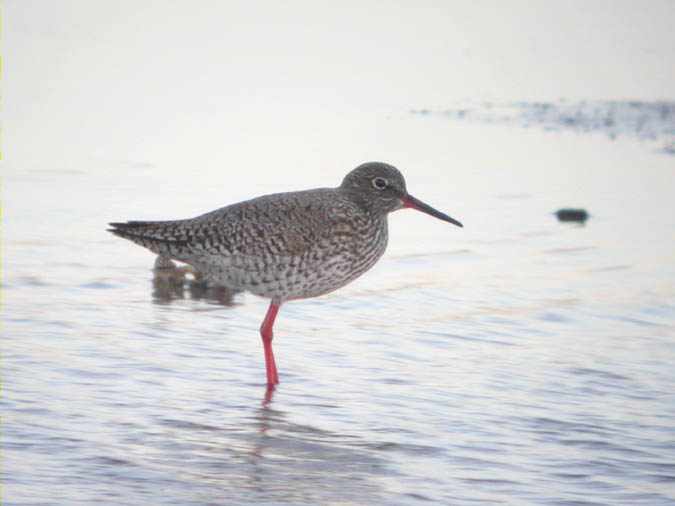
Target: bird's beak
411 202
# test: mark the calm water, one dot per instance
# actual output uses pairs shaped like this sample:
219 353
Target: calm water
515 361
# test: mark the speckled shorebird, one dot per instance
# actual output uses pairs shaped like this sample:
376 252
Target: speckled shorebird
287 246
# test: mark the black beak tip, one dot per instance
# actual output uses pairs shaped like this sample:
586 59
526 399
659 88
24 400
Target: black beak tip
454 222
411 202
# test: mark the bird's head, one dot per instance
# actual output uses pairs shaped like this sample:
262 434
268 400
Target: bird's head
381 188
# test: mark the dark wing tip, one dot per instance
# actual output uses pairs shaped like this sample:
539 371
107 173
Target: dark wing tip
116 231
129 224
122 229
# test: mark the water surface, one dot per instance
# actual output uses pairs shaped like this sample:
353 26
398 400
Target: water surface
516 361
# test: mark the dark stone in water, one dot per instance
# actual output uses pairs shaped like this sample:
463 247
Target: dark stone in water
568 214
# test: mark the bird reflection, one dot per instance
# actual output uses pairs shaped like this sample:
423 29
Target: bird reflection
171 282
292 462
266 415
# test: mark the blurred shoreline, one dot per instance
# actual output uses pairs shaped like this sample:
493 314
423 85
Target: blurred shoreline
649 121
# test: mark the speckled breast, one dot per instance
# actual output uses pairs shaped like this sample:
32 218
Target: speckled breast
341 255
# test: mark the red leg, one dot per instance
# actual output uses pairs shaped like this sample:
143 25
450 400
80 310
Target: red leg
266 334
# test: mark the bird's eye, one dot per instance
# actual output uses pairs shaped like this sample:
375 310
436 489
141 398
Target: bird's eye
380 183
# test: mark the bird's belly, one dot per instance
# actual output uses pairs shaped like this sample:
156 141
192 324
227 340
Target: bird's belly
320 270
323 277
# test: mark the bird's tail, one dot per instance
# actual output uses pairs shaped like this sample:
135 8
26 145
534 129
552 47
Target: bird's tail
161 237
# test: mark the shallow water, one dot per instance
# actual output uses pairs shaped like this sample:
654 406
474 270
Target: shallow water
516 361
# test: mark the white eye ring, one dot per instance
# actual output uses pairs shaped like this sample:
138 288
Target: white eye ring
380 183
